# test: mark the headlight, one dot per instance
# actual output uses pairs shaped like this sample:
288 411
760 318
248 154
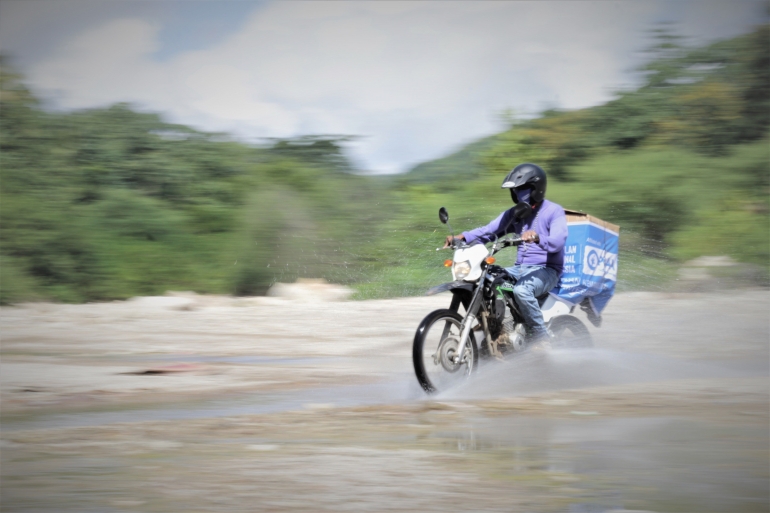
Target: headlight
462 269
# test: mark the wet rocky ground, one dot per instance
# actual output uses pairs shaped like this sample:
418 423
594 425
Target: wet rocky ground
190 403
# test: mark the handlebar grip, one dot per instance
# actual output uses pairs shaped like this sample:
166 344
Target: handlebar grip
456 243
452 246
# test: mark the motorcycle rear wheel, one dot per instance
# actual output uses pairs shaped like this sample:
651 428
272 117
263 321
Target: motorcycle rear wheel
569 333
434 350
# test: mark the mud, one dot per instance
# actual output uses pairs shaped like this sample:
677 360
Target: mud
267 404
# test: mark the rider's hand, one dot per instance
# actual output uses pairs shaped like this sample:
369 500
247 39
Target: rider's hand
530 236
449 239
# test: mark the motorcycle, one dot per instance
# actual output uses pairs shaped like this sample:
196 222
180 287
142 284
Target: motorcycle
446 349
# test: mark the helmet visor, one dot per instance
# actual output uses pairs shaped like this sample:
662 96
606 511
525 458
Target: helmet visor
523 194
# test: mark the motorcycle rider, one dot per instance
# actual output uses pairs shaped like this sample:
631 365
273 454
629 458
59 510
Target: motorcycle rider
543 228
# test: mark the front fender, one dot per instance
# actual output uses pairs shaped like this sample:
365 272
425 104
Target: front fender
462 291
452 285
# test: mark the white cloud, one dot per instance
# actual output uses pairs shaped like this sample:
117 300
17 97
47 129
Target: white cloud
416 78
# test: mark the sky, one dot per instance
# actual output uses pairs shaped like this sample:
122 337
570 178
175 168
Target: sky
415 80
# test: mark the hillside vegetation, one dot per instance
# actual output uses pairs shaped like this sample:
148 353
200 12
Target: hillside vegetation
682 163
111 203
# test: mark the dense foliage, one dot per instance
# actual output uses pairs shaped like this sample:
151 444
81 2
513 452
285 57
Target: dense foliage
111 203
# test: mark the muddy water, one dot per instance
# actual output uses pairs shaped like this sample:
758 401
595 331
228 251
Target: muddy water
221 407
522 376
587 452
241 403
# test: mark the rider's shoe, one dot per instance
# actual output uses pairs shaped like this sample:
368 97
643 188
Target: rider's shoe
540 343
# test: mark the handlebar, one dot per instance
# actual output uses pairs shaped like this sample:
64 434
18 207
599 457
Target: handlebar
515 241
504 243
456 244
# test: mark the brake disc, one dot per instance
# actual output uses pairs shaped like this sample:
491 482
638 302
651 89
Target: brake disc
447 351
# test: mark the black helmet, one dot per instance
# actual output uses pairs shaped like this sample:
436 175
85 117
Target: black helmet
530 175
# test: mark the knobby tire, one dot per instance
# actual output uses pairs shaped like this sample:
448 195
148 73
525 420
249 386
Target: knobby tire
418 346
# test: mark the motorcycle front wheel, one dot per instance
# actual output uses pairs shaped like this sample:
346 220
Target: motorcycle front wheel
434 352
569 333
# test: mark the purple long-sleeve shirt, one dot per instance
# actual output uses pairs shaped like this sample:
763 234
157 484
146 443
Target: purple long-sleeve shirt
550 224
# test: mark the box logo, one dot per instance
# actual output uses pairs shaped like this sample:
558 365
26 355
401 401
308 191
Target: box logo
597 262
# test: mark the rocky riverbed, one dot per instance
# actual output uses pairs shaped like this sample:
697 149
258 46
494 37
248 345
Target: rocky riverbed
197 403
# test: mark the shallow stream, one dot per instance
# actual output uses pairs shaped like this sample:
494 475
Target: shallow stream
519 376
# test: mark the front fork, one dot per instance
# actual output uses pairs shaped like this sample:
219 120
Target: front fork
468 323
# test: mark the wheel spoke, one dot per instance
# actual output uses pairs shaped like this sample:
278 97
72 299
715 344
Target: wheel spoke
438 363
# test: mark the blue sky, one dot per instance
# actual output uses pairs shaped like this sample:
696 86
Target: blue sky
415 79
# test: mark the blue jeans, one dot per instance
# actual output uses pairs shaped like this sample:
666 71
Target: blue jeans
532 281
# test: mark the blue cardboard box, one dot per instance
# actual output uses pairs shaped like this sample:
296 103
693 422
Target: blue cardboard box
590 261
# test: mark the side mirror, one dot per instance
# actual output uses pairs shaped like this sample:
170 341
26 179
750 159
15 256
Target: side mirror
443 215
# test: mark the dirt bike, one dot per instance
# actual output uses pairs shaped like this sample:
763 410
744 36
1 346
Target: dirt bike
448 344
